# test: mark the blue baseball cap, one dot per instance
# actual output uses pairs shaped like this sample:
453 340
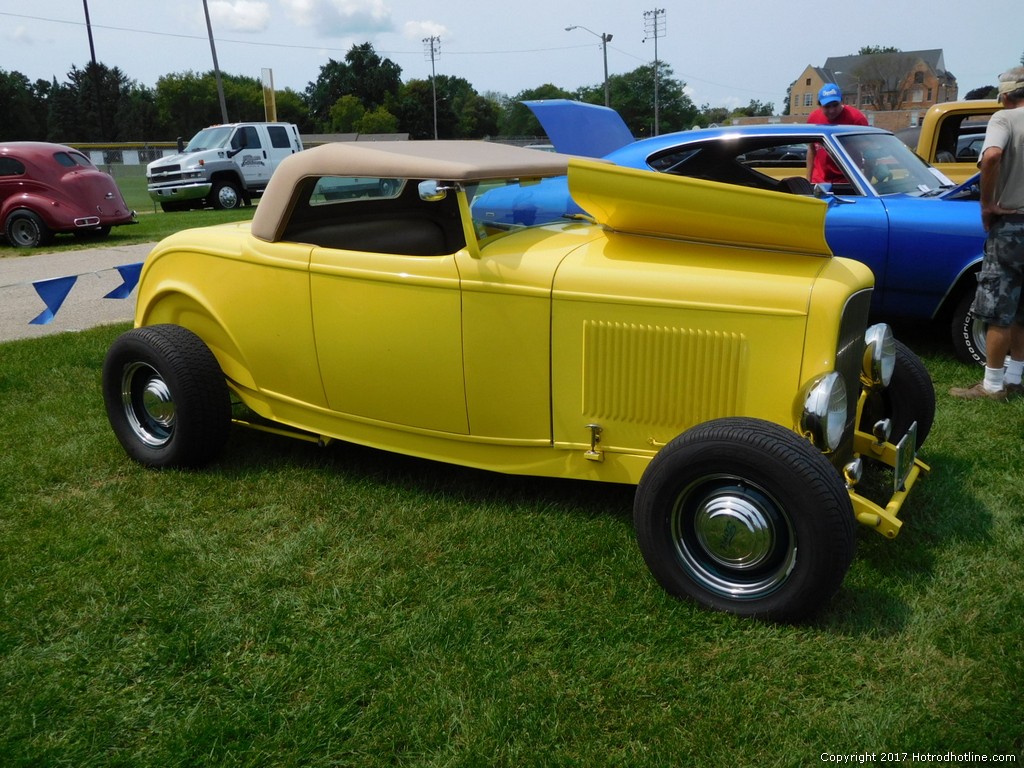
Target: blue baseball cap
829 93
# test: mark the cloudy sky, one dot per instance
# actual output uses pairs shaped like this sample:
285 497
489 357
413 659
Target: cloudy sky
728 52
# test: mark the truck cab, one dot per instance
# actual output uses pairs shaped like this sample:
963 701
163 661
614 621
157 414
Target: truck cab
222 166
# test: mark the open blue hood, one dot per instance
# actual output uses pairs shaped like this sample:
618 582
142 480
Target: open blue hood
575 128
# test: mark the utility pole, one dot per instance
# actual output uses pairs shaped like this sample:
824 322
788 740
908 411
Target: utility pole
216 66
88 27
433 49
654 26
605 39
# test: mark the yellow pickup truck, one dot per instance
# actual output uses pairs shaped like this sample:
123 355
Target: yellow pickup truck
951 134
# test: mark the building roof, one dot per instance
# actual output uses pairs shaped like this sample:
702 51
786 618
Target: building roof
840 69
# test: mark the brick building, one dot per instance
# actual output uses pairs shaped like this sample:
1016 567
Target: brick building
900 81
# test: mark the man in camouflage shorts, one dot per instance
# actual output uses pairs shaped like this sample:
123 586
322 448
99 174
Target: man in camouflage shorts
998 300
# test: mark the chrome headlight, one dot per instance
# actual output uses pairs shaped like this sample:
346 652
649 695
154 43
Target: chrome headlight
879 356
824 414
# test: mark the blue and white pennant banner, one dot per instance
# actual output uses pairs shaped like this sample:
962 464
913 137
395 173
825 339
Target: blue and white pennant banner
55 290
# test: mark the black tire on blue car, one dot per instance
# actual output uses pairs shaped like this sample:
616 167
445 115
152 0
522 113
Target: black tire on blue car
909 397
745 516
968 333
166 397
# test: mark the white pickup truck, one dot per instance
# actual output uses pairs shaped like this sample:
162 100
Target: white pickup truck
223 166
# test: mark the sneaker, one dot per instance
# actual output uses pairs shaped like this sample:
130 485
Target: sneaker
978 392
1014 390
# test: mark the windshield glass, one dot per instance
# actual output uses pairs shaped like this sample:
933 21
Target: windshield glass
210 138
503 205
890 166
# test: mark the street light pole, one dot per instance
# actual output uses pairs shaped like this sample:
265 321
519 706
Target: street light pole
605 39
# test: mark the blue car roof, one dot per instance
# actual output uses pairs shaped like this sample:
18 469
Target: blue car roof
629 154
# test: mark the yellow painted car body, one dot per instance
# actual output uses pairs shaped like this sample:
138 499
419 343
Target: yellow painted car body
946 133
578 349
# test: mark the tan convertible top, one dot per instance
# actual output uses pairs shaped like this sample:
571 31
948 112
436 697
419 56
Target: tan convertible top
442 160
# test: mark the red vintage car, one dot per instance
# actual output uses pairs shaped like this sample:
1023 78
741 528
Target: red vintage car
47 189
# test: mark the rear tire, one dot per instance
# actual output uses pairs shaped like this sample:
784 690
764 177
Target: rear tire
26 229
166 397
745 516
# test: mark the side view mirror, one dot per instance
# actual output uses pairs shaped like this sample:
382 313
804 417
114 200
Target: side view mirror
433 191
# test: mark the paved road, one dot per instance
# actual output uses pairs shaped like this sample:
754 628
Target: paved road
84 306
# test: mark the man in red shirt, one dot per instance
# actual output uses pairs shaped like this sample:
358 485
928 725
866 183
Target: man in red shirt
831 111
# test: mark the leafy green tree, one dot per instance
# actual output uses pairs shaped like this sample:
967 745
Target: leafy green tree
984 92
755 109
414 108
462 112
22 119
89 103
709 116
363 74
518 120
379 120
186 102
291 108
870 49
346 114
632 94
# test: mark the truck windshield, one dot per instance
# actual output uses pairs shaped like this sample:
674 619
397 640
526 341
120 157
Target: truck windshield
210 138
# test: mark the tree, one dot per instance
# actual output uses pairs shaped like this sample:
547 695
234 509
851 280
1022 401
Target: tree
755 109
363 74
291 108
86 107
632 94
346 114
984 92
867 50
22 119
881 76
378 121
414 109
518 120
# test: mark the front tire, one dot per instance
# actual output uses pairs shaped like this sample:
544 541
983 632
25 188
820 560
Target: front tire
967 332
747 517
166 397
26 229
226 196
909 397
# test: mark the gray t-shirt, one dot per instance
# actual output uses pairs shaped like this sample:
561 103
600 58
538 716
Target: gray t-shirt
1006 130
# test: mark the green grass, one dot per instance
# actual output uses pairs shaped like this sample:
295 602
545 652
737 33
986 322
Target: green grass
294 605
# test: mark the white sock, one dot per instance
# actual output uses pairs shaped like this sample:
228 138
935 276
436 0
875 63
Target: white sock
1014 369
993 379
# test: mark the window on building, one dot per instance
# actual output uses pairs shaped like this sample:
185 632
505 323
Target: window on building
807 100
807 81
918 78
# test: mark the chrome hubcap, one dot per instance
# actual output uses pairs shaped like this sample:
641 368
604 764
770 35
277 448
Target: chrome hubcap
148 404
733 538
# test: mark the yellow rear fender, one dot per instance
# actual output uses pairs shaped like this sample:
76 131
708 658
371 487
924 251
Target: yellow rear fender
178 308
